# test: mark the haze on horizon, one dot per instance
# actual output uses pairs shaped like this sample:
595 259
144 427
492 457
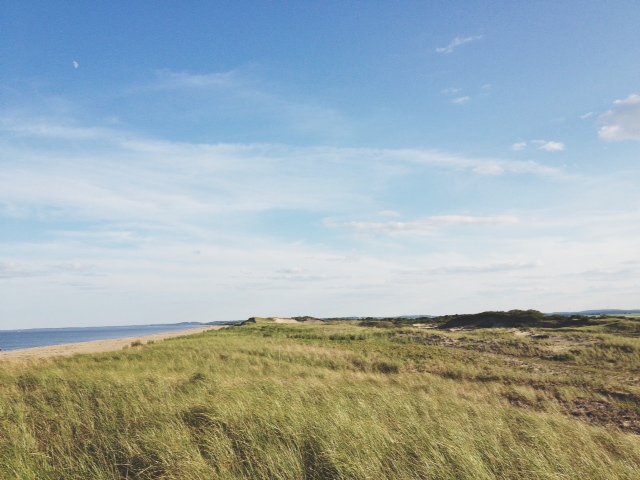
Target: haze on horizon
163 162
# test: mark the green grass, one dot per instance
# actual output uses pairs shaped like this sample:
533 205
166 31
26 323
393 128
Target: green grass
326 401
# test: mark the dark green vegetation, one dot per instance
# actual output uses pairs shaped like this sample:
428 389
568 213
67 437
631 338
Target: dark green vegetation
335 400
511 319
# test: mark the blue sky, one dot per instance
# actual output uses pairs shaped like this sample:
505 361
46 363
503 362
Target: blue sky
198 161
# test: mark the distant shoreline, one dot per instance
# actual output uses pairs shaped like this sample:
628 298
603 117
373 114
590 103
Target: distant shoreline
97 346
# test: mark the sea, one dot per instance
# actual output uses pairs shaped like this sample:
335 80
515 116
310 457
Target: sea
47 337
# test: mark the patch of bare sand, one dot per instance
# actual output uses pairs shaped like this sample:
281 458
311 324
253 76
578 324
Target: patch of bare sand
521 333
99 346
298 322
284 320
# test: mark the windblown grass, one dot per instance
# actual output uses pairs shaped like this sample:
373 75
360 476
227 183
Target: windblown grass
327 401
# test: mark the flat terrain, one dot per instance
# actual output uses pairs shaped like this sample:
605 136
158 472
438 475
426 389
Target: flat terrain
370 400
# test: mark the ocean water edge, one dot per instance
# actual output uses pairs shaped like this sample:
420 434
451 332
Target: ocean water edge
46 337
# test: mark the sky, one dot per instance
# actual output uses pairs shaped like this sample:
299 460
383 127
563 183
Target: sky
165 161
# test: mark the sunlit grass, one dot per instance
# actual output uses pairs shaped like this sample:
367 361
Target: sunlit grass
324 401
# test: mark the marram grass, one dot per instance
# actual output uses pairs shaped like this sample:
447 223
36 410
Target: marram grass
305 402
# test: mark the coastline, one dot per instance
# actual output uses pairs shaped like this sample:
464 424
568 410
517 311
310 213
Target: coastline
97 346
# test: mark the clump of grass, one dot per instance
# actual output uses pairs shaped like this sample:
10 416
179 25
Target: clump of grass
564 357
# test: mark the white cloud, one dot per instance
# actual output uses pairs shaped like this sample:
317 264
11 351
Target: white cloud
587 115
237 93
126 213
75 268
45 129
429 224
11 269
623 272
486 268
75 65
475 268
347 259
180 80
292 270
389 213
622 122
456 42
14 269
489 168
550 146
479 166
235 99
461 100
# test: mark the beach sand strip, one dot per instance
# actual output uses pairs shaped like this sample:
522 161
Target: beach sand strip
98 346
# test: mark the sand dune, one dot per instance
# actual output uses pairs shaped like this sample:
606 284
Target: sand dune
284 320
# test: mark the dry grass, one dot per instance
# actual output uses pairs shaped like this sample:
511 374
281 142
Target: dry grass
327 401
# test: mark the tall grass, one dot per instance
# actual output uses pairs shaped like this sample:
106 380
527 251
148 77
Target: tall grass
293 402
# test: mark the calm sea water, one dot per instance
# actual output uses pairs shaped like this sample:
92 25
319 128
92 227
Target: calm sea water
46 337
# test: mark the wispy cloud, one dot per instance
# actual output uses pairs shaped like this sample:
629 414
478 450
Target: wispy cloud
489 168
298 274
620 272
429 224
147 218
475 268
15 269
42 128
11 269
475 165
75 268
547 146
117 176
458 98
622 122
486 268
456 42
182 80
234 99
461 100
389 213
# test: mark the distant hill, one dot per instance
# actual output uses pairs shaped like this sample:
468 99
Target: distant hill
491 319
512 319
224 322
605 311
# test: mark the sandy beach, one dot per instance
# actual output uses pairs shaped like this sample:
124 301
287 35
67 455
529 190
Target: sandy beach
99 346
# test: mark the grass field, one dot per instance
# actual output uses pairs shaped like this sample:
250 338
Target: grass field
333 400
